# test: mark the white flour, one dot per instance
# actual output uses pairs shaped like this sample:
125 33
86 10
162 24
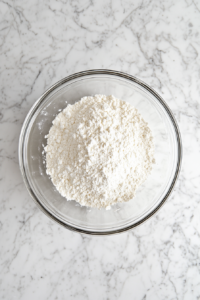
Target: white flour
99 151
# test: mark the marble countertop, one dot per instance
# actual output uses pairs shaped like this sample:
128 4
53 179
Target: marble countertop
44 41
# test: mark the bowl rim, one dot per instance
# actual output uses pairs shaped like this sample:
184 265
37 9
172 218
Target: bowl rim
39 102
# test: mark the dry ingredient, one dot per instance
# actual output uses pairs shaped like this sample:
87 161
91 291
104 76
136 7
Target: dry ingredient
99 151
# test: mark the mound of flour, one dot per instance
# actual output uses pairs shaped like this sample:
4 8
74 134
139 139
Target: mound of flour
99 151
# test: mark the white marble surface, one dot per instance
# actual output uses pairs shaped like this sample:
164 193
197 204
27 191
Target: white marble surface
43 41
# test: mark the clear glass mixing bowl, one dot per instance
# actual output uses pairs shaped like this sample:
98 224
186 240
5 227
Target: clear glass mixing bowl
149 197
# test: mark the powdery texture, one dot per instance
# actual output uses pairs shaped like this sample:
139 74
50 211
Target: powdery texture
99 151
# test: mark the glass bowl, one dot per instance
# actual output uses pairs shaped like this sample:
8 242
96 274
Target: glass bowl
149 197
